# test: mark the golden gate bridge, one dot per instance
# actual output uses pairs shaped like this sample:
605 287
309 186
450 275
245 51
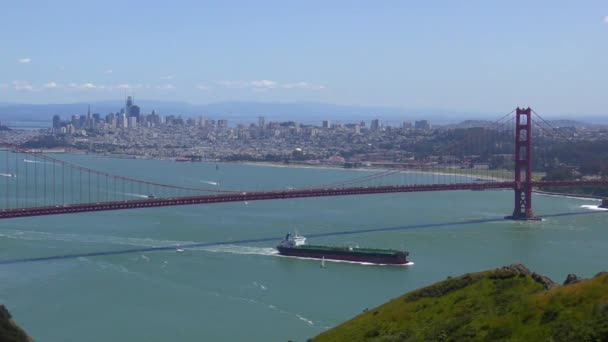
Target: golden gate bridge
37 184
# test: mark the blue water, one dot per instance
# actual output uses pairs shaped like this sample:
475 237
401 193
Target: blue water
27 124
244 291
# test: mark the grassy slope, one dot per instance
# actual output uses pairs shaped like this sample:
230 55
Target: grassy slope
503 304
9 331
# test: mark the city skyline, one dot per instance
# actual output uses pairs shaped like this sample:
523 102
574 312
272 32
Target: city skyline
473 56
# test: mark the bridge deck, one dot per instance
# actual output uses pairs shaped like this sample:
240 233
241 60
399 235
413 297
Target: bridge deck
270 195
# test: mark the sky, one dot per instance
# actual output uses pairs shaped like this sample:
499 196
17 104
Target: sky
476 55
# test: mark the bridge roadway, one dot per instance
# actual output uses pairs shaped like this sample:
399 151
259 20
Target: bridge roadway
270 195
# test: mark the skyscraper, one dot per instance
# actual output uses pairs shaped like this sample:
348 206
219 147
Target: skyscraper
132 122
56 122
261 121
128 104
134 111
422 125
375 125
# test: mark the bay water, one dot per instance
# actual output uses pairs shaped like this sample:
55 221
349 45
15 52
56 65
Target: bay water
236 291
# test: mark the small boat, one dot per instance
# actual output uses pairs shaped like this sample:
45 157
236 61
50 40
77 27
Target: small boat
323 263
180 250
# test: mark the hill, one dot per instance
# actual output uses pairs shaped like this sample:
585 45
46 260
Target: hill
239 111
506 304
9 331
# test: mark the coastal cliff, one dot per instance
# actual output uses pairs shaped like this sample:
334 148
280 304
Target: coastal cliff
505 304
9 330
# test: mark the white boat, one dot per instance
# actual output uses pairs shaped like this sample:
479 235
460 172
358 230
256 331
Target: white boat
323 263
180 250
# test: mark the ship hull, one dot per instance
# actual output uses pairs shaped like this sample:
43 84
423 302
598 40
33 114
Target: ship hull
342 255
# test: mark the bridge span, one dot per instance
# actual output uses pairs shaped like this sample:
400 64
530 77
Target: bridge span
272 195
35 184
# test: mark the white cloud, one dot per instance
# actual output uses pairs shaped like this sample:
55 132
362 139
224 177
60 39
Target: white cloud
233 84
23 86
202 87
167 78
27 86
303 85
126 86
24 60
51 85
168 86
109 71
606 19
90 86
263 85
86 86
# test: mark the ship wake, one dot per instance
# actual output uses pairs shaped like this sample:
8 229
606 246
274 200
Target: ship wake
593 207
236 249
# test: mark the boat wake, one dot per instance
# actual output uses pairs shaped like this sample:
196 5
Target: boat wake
135 195
35 161
593 207
210 183
235 249
267 305
302 318
78 238
260 286
106 266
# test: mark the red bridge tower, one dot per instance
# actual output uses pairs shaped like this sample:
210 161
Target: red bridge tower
523 166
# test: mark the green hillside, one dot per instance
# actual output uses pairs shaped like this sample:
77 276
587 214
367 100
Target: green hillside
507 304
9 331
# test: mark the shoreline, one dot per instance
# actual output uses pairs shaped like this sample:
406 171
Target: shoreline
337 167
370 169
568 195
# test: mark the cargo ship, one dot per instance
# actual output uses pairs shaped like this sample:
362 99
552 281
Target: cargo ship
294 245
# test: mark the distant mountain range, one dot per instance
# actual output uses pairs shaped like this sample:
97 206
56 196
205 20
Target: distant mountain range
307 112
245 112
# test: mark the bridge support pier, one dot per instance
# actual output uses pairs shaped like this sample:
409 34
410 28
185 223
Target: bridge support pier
523 166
